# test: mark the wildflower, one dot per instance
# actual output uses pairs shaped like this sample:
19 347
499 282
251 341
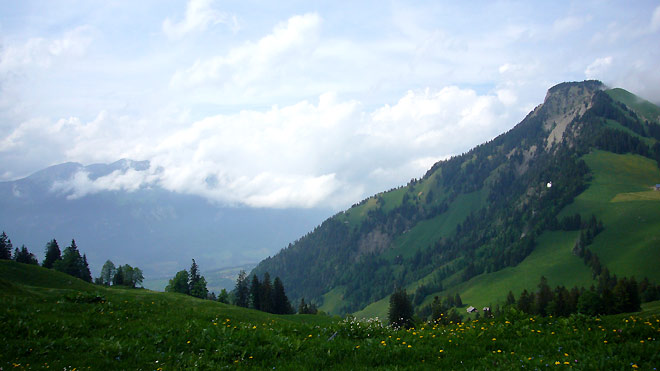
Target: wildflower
558 363
310 335
494 339
441 350
409 346
357 347
188 342
635 366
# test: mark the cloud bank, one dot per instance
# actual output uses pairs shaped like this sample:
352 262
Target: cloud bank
292 107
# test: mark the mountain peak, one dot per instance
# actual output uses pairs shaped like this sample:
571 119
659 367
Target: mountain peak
563 103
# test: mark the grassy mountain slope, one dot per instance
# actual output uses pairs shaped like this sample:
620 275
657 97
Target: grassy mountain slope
485 222
45 327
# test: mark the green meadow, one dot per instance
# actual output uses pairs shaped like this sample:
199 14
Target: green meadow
52 321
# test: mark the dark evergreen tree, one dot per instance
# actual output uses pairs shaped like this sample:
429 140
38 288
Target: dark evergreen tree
53 254
197 283
179 283
281 304
242 291
255 293
437 310
525 302
24 256
5 246
510 298
457 300
400 312
85 273
626 296
118 278
71 263
543 297
266 299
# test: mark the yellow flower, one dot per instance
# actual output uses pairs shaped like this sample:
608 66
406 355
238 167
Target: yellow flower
188 342
494 339
310 335
558 363
635 366
409 346
441 350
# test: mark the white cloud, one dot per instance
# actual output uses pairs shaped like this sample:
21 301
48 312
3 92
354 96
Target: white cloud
598 67
251 61
301 155
199 15
40 52
655 19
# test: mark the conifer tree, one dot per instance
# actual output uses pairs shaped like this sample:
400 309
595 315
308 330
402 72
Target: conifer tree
281 304
242 294
71 263
85 273
266 300
24 256
5 246
401 310
53 254
255 293
118 278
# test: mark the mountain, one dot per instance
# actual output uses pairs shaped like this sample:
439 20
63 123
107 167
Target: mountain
576 174
148 227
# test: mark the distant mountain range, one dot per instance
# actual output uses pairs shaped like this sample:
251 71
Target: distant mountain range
495 219
149 227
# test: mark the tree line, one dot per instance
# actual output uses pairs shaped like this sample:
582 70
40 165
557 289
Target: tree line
71 262
262 295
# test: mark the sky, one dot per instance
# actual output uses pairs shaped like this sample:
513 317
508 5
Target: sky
294 103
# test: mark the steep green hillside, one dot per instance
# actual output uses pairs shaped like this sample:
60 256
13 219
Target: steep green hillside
493 219
116 329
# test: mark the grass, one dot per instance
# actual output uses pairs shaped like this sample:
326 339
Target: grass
637 196
616 196
642 107
138 329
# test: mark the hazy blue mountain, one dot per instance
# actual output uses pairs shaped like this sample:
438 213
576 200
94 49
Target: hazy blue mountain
152 228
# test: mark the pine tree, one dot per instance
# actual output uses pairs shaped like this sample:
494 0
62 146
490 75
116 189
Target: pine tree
242 296
525 302
401 310
118 278
457 301
85 273
255 293
266 299
437 310
510 298
193 277
24 256
543 297
72 262
281 304
5 247
53 254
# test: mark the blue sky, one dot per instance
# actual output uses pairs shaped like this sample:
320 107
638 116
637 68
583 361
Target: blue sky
294 104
